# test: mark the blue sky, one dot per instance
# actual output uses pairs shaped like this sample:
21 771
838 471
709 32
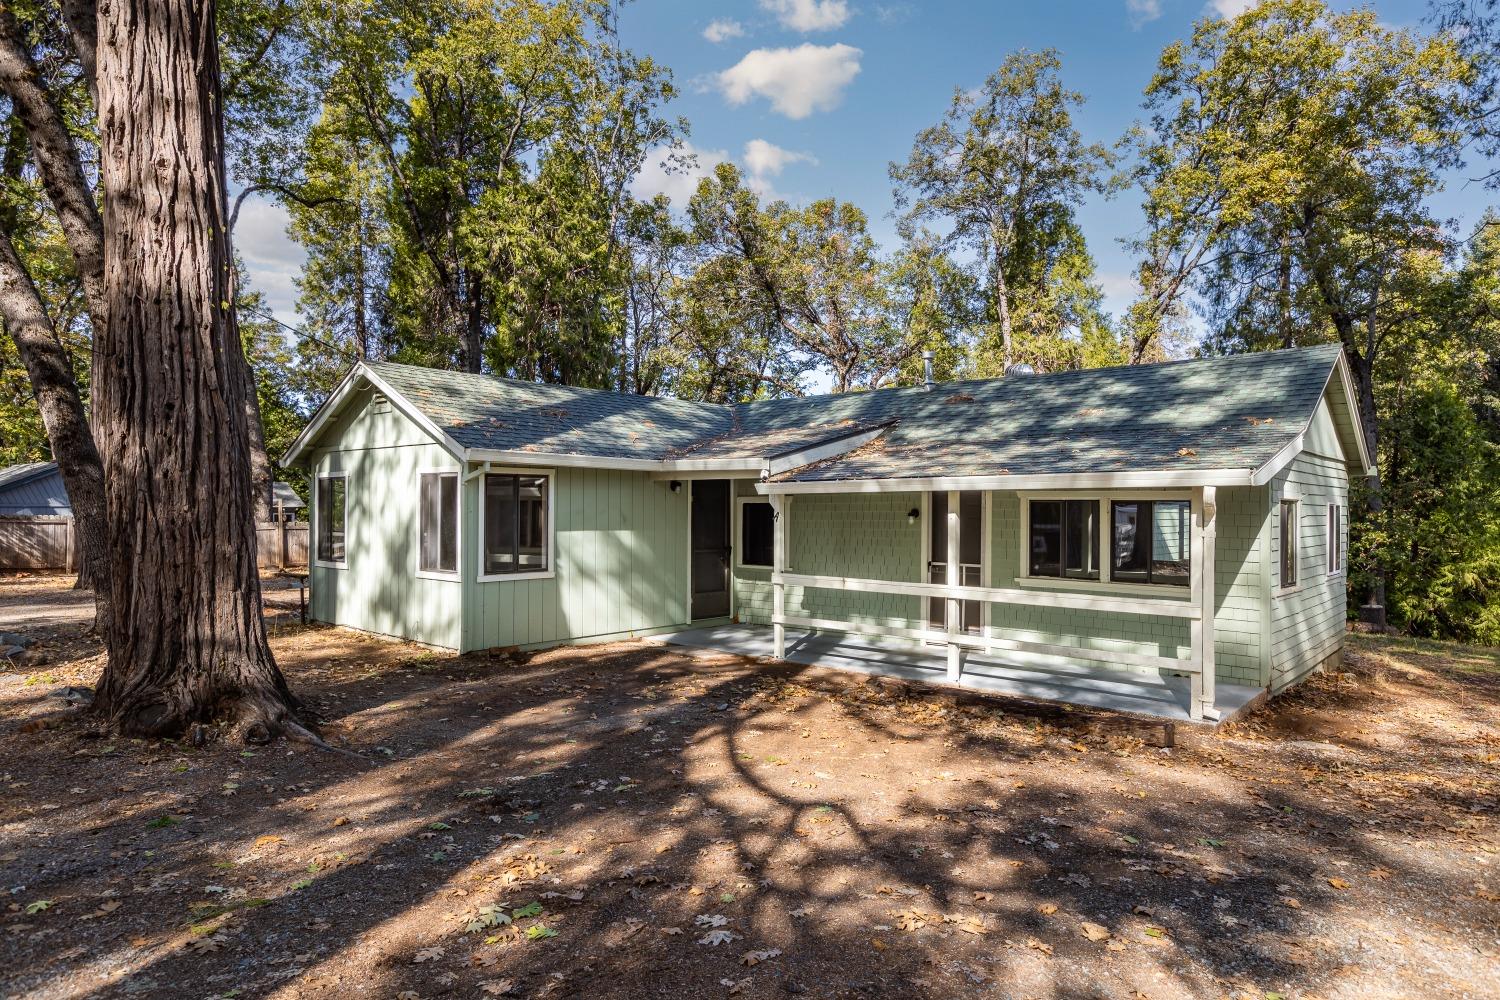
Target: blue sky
814 98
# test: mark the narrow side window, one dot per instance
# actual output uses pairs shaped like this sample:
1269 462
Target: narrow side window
1288 543
330 500
438 527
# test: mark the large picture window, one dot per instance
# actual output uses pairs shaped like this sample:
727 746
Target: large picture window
330 513
1064 538
1288 543
438 528
757 534
1151 541
516 530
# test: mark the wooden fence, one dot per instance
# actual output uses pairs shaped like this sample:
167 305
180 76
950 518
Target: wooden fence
47 543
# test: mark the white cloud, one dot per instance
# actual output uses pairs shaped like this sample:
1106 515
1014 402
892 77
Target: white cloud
766 159
797 81
273 260
808 15
894 13
722 30
1143 11
1231 8
676 173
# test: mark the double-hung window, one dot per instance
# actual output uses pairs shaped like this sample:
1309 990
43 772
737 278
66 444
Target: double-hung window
1335 539
1064 538
1288 543
329 511
438 523
517 529
1151 541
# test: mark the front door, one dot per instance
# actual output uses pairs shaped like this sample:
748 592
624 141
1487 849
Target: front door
970 553
710 544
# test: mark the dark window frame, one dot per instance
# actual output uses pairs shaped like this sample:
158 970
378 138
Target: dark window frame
487 574
452 519
742 547
321 513
1335 539
1067 506
1146 514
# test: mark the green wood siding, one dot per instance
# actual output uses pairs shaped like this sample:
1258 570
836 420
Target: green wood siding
867 535
379 590
862 535
1306 624
620 565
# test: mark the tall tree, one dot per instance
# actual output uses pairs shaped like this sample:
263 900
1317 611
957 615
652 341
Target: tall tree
186 640
1286 169
1004 171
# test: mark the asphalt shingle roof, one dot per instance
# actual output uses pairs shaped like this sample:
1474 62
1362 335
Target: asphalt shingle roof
1212 413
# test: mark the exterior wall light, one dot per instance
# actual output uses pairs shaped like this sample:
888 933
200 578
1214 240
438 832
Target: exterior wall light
676 486
912 515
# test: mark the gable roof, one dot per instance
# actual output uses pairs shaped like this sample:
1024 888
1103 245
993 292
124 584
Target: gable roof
15 475
1225 420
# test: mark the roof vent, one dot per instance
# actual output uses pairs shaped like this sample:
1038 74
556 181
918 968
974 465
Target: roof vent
1020 368
379 403
927 380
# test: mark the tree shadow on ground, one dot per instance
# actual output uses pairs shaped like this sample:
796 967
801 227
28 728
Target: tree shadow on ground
879 844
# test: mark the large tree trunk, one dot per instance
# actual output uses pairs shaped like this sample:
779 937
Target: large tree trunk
186 642
260 461
63 416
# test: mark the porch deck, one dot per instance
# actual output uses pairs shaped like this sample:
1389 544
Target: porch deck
1150 695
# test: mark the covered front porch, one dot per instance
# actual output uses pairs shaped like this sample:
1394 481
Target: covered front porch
1096 687
936 585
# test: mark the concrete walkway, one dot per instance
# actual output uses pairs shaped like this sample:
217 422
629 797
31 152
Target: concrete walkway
1150 695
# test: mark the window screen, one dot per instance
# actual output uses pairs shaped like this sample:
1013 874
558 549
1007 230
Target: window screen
757 534
330 513
439 522
516 538
1335 538
1152 541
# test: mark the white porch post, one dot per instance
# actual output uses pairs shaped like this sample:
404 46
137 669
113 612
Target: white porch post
1209 521
778 567
953 578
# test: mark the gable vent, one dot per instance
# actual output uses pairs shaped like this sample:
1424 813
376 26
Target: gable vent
379 403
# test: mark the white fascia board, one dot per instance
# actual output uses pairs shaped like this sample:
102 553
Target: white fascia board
1279 461
1041 481
1351 400
331 406
335 404
787 461
660 468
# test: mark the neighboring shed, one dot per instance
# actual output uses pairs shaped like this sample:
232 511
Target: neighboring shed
1174 529
33 489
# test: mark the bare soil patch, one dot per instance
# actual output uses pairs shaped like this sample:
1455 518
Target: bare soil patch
635 821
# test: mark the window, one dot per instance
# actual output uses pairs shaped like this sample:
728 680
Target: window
330 500
1151 540
517 535
1064 538
438 523
1288 543
757 534
1335 539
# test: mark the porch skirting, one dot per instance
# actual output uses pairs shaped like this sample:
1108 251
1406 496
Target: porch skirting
1101 687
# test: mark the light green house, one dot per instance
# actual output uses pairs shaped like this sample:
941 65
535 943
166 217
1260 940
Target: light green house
1177 527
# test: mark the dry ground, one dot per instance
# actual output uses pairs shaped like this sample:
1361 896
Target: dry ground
631 820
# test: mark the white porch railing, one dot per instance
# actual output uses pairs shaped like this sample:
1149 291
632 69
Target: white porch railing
1198 665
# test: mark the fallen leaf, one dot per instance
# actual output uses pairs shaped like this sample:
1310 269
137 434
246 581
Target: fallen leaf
1290 901
715 938
1041 946
1338 883
1047 909
266 839
428 954
757 957
1095 932
497 987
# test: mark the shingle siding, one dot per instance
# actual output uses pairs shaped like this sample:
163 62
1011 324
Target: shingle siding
867 536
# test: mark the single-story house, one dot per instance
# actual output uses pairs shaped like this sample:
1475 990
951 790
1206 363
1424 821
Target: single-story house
1180 524
33 489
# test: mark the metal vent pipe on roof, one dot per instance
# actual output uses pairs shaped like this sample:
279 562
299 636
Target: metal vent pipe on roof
927 380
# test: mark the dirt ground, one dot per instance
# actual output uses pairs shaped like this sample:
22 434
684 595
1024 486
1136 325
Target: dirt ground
632 820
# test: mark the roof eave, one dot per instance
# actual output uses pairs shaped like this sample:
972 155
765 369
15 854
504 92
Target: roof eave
1035 481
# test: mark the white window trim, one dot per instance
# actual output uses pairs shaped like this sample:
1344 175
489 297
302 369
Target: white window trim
317 519
458 526
1105 582
1279 590
1335 539
551 570
737 528
924 514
